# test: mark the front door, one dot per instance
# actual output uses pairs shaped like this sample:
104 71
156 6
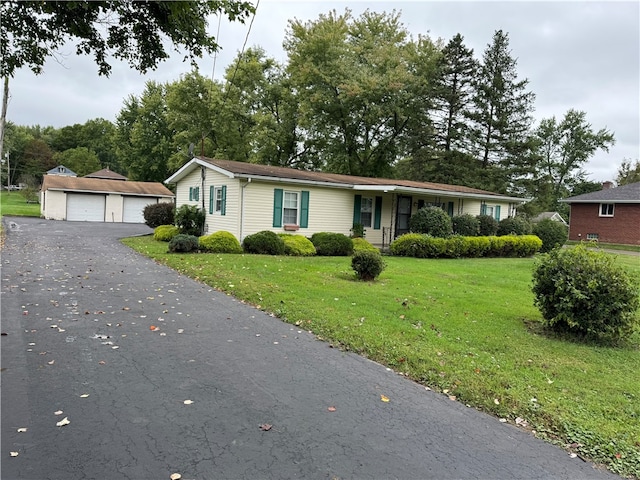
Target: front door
403 214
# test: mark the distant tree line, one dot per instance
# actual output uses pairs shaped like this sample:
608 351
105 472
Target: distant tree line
358 96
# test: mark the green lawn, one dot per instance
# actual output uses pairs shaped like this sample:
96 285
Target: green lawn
13 203
467 328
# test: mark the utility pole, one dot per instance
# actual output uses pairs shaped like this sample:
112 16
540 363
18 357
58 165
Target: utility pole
5 99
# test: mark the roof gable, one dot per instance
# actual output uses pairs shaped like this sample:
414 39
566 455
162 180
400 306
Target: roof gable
273 173
106 174
625 194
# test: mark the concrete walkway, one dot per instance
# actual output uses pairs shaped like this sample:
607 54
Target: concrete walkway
219 390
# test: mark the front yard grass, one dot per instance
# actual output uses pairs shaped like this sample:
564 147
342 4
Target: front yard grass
467 328
14 204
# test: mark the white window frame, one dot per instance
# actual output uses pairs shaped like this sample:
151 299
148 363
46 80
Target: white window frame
609 207
366 210
285 208
593 236
217 200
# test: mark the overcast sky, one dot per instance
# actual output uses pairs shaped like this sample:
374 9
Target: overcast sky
580 55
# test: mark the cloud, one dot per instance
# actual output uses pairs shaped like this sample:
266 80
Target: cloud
581 55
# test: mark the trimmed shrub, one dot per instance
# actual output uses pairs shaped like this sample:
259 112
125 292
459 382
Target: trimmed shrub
488 225
330 244
182 243
190 220
357 231
165 233
156 214
418 245
584 292
553 234
297 245
424 246
478 246
220 242
431 220
465 225
367 264
455 247
265 242
362 245
514 226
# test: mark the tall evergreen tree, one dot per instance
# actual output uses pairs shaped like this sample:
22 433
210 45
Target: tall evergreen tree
502 114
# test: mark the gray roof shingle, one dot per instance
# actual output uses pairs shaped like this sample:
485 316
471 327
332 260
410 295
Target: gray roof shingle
625 194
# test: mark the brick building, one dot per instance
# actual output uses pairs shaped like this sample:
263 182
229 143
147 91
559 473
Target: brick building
611 215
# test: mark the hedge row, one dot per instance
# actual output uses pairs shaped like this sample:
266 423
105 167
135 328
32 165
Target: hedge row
424 246
265 242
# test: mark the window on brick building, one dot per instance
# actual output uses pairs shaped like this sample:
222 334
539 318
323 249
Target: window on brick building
592 236
606 209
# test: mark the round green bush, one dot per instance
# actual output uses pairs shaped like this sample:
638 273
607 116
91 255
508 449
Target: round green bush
418 245
156 214
265 242
584 292
330 244
182 243
553 234
465 225
488 226
431 220
297 245
190 220
362 245
368 265
220 242
165 233
514 226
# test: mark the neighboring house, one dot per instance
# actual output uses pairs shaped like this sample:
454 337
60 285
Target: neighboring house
245 198
106 174
98 199
555 216
62 170
611 215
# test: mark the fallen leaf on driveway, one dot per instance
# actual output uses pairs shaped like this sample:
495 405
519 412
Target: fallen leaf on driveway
175 476
153 328
188 402
332 409
265 427
63 422
22 430
84 395
384 398
14 454
101 362
58 412
51 362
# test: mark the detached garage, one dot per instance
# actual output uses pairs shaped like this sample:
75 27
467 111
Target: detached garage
87 199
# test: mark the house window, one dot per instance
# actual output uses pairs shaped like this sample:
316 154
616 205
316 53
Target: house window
592 236
290 208
366 211
194 193
217 195
488 210
606 209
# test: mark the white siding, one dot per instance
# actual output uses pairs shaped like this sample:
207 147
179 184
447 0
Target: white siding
113 208
53 205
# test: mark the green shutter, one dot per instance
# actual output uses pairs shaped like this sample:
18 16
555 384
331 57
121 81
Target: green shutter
377 215
497 212
196 193
190 193
211 190
450 209
357 205
304 209
483 208
277 207
223 204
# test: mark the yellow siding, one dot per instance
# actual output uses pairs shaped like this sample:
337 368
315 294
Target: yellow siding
215 222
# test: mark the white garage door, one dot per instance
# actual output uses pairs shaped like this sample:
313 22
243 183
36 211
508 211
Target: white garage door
85 208
133 208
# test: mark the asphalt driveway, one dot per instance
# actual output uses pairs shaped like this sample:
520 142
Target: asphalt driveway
158 374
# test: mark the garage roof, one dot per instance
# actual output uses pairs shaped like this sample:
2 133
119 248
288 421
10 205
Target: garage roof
100 185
